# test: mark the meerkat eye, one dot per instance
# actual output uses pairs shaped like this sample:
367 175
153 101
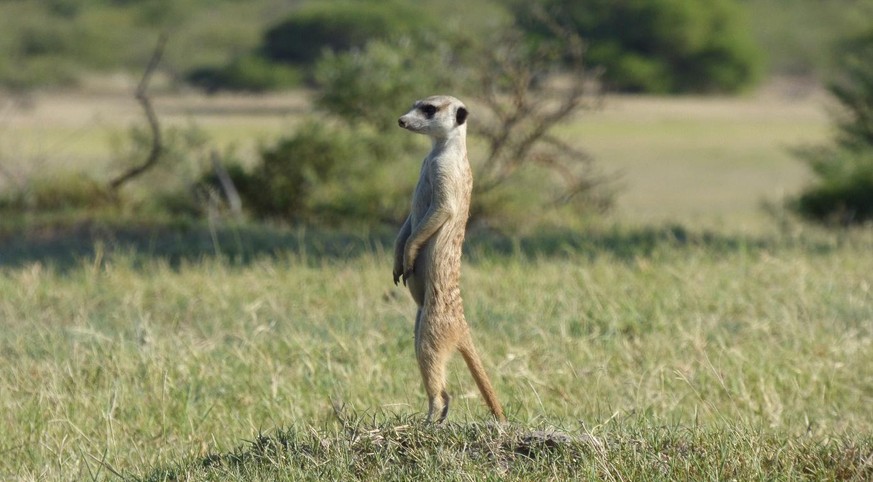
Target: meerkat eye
429 110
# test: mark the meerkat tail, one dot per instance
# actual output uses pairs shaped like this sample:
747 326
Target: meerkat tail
474 363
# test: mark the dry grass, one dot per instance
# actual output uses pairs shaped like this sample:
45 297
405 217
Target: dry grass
724 346
744 346
706 161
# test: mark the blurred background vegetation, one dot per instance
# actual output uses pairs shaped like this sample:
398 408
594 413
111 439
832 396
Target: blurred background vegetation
681 46
356 58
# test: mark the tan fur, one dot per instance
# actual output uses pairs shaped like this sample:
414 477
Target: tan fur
427 252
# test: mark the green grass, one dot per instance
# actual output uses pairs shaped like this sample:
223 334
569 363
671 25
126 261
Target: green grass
704 161
688 336
404 449
684 353
76 132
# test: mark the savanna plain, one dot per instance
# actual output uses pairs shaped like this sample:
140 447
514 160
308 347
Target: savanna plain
691 333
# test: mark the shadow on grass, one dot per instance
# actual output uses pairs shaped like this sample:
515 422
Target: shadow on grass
67 245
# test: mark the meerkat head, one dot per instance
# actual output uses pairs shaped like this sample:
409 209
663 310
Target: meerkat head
437 116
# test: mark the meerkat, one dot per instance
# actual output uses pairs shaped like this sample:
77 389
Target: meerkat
427 251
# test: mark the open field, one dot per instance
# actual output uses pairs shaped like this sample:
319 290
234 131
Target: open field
81 133
704 160
687 337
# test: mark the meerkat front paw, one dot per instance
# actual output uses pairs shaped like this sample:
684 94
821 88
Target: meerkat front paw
408 267
407 274
398 267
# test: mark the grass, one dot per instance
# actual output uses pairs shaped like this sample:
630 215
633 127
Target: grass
703 161
403 449
690 336
79 132
684 354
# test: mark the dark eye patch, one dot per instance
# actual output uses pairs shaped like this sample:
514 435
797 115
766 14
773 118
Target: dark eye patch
428 109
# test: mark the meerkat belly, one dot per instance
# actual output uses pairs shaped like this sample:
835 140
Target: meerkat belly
437 267
417 282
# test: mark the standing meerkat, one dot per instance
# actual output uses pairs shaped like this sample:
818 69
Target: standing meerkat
427 252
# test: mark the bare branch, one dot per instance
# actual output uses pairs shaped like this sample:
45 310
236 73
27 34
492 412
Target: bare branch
143 98
526 101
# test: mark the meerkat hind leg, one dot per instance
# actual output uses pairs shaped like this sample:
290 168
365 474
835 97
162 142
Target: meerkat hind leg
437 398
417 333
445 412
432 364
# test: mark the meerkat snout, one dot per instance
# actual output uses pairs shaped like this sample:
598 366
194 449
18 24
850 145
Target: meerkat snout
435 116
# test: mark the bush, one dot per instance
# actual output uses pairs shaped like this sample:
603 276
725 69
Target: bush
844 190
290 170
246 73
296 44
328 174
662 46
374 85
340 26
281 184
374 163
841 198
47 46
61 192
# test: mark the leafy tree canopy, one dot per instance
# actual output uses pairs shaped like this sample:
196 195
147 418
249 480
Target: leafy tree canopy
661 46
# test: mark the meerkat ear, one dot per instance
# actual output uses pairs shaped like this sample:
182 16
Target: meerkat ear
461 115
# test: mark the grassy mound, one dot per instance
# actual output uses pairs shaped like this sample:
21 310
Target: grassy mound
407 449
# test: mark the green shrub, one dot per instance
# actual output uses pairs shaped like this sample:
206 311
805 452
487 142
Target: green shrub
56 42
164 187
246 73
660 46
374 86
293 46
330 175
59 192
281 185
365 91
843 192
845 197
44 71
342 25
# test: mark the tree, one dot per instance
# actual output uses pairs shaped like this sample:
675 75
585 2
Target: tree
518 94
340 26
843 191
659 46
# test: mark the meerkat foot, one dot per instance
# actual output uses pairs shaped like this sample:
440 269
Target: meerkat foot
445 411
